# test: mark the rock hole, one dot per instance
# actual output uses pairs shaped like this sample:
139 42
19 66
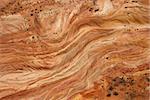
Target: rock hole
108 95
115 93
111 88
96 10
148 79
135 1
33 37
90 9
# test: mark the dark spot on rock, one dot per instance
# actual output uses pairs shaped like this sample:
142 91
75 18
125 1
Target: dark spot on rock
2 10
90 9
115 93
119 80
135 1
107 57
31 14
20 68
108 95
36 12
130 81
33 37
145 74
96 10
122 80
114 80
148 79
125 7
111 88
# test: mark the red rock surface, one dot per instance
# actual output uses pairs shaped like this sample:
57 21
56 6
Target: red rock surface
74 49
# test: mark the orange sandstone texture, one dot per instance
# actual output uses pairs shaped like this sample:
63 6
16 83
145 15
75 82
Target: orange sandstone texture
74 49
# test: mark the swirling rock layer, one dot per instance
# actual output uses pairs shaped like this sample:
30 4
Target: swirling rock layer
74 49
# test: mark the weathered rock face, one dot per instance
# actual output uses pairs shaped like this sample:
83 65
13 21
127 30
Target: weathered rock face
74 49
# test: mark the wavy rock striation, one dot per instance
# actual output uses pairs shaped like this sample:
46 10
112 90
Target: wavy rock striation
74 49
